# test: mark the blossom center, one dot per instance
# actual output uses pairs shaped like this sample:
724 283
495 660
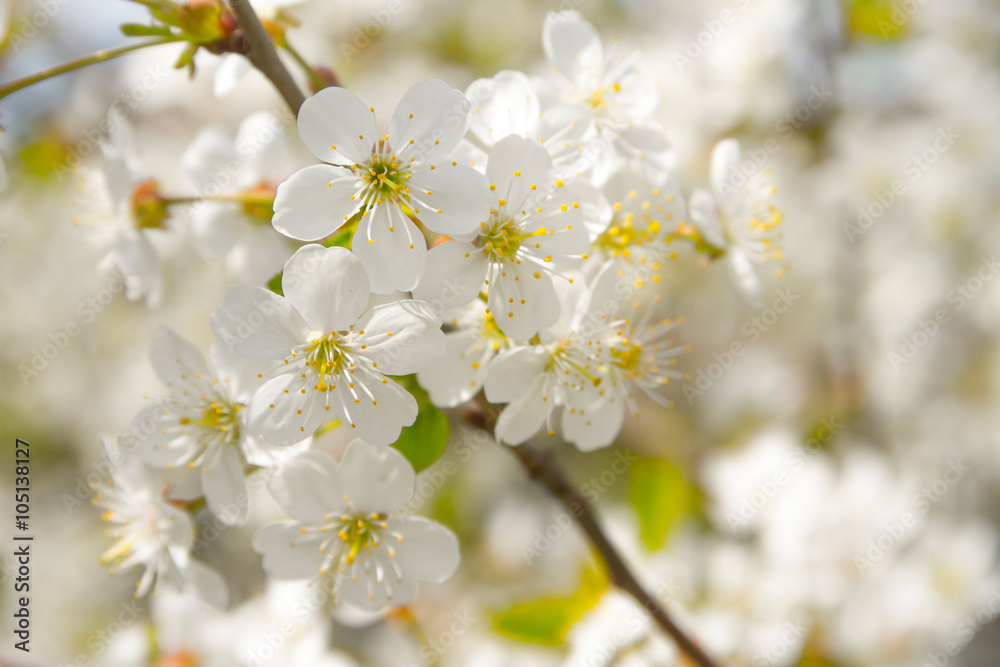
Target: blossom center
360 535
628 356
596 98
325 357
502 238
384 178
219 417
618 238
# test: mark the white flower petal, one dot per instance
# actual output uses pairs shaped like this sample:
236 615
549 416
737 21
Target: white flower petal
725 162
648 145
363 592
460 372
328 286
428 550
156 448
315 202
309 488
258 255
378 410
338 127
261 142
208 157
287 409
596 426
513 370
454 275
142 268
392 249
258 323
744 277
515 164
523 416
568 133
595 210
400 337
523 301
429 121
451 199
375 478
224 484
239 375
216 227
288 552
502 105
705 216
571 44
232 68
206 583
259 452
176 361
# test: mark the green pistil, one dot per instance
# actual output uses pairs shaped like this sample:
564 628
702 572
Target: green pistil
325 358
360 534
627 358
503 239
219 417
622 235
385 178
561 355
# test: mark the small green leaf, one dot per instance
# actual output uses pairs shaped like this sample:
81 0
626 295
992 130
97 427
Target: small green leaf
187 59
662 497
274 284
424 442
342 237
548 620
139 30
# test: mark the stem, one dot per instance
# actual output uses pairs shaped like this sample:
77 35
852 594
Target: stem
541 467
91 59
236 199
264 56
315 79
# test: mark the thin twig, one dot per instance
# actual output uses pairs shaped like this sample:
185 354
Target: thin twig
93 58
543 468
264 56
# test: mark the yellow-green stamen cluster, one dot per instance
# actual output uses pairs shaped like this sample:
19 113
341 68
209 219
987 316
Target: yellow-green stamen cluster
360 535
218 418
502 238
324 357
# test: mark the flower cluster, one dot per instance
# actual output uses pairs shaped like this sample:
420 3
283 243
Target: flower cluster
509 240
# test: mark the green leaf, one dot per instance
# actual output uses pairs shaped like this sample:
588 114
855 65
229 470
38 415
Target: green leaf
139 30
342 237
817 661
662 496
274 284
424 442
548 620
881 18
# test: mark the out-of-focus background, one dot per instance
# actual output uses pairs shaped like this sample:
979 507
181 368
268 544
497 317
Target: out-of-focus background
823 494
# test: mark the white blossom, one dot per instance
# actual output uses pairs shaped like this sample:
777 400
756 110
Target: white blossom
150 532
386 178
329 353
343 529
739 217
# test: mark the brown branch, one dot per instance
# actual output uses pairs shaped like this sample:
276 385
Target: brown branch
264 56
543 468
